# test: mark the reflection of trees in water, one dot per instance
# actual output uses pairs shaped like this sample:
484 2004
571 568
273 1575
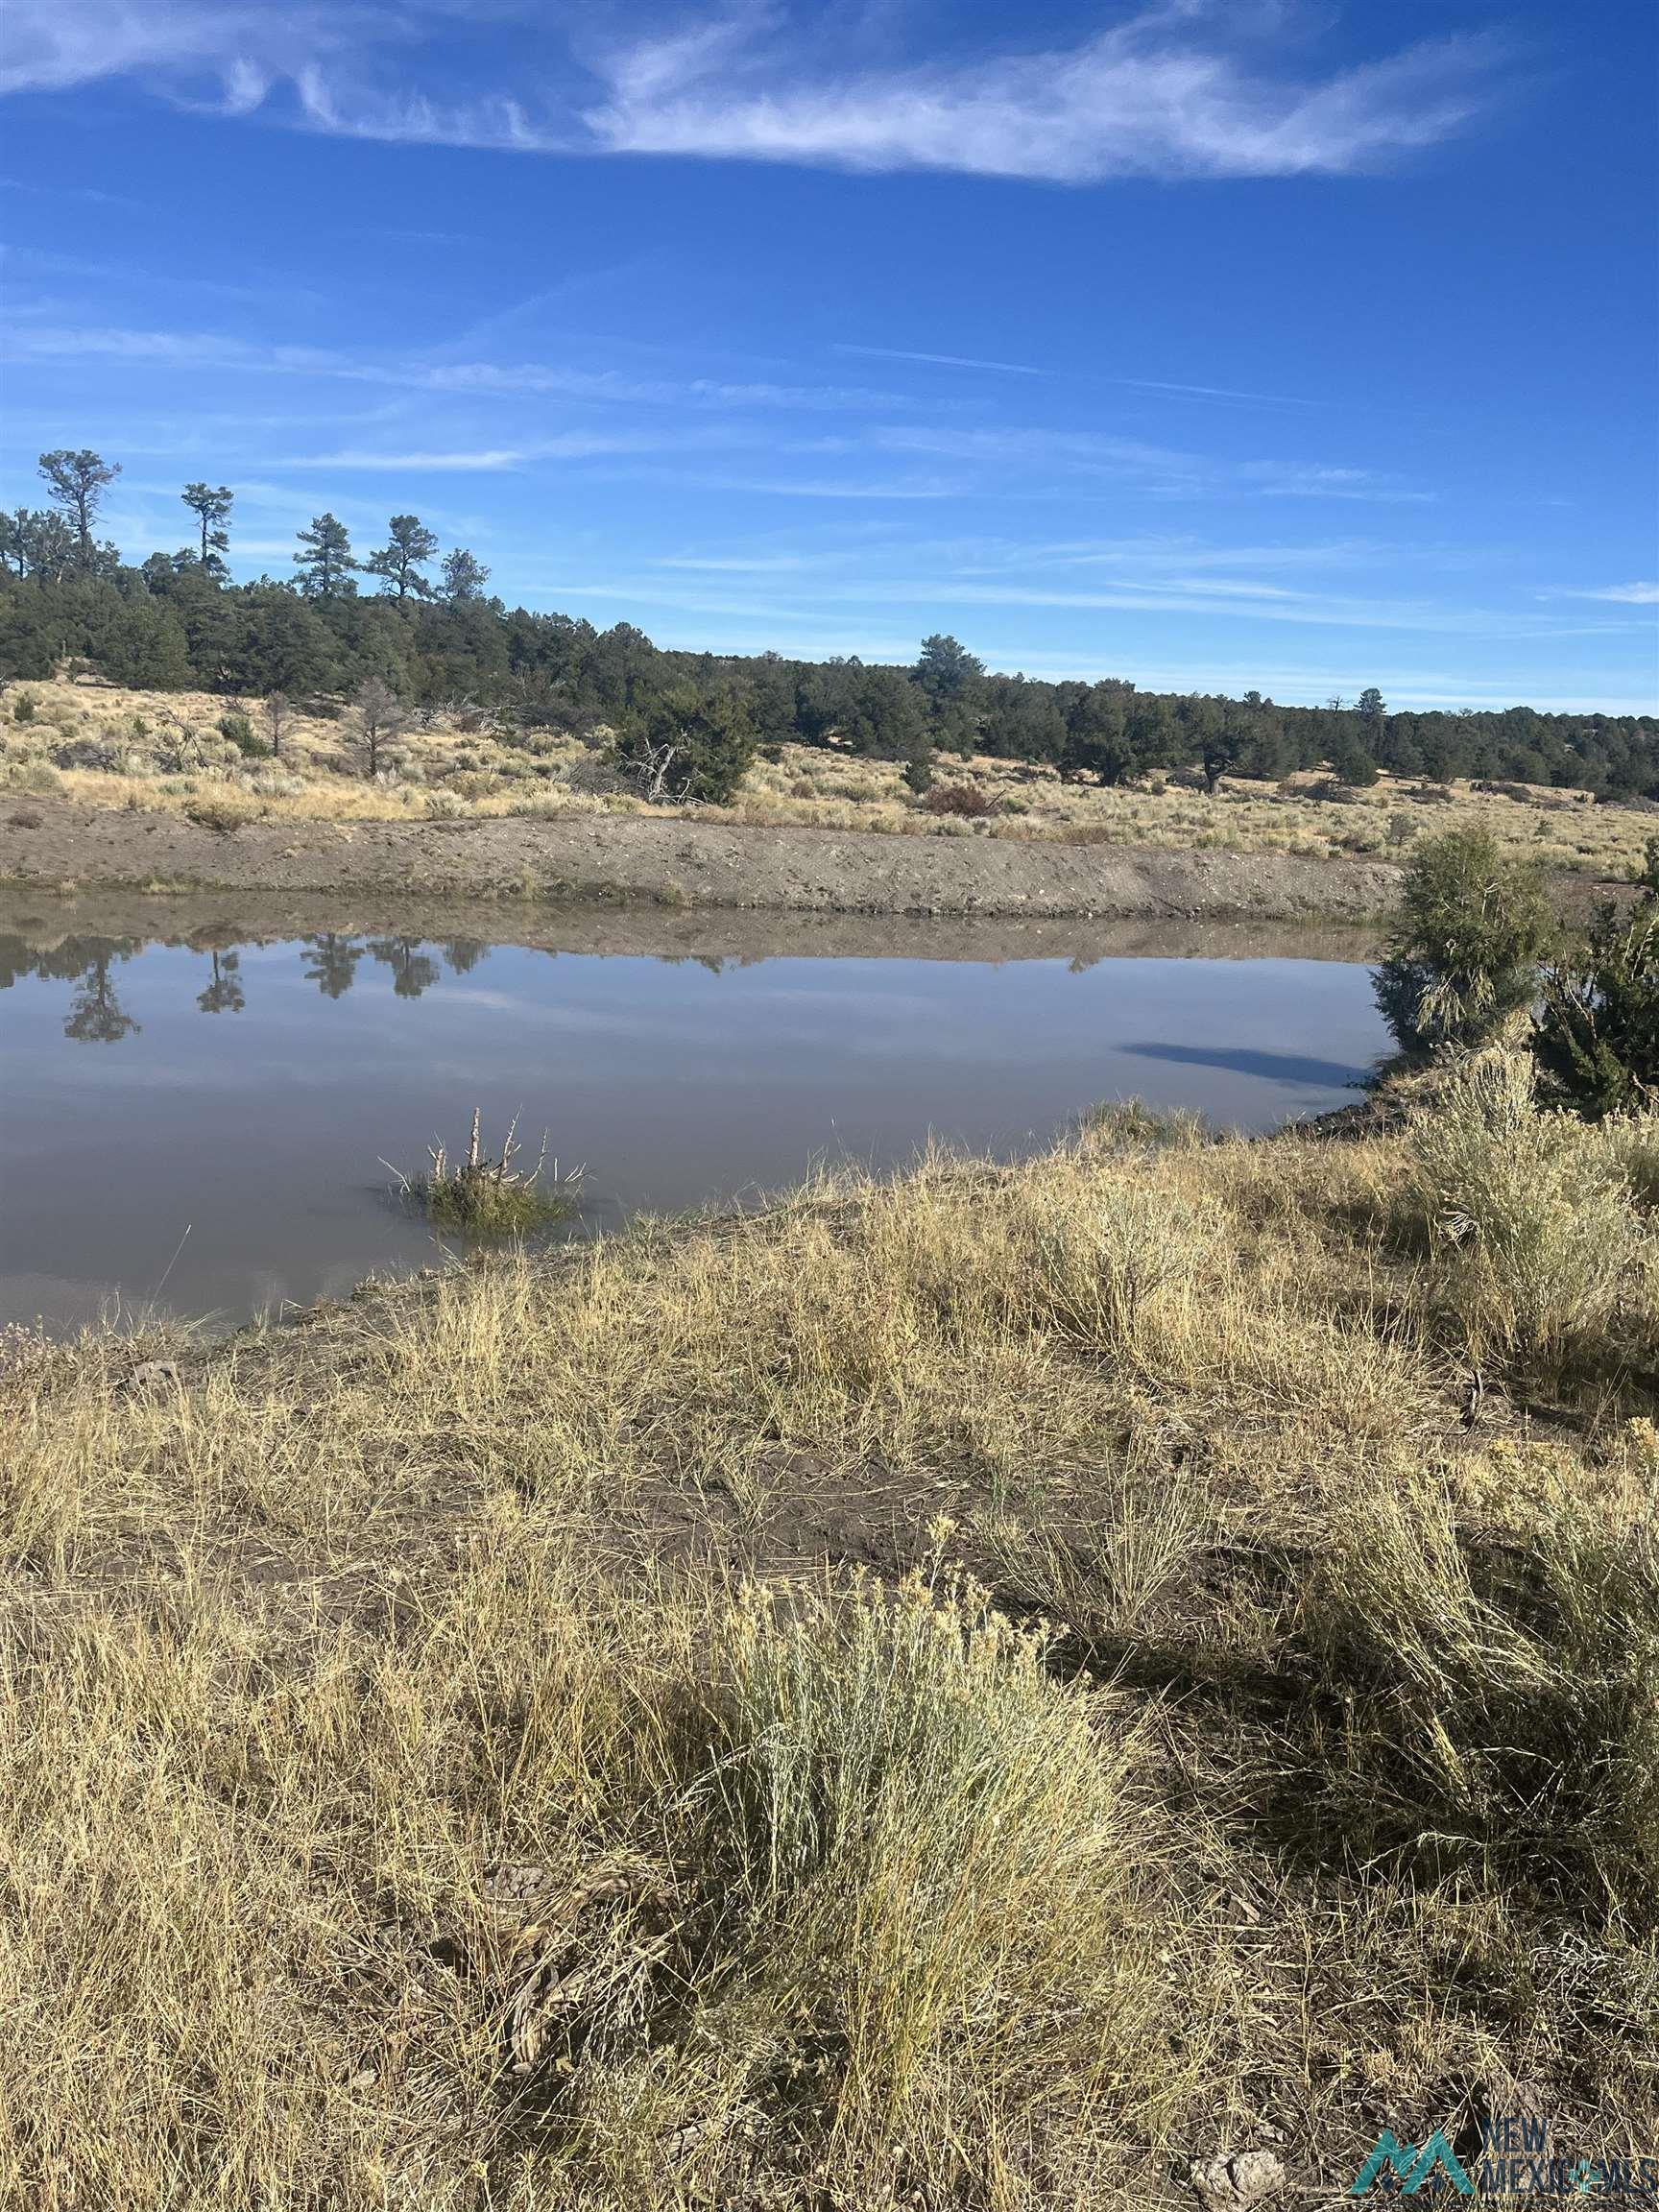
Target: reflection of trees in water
63 962
333 963
329 960
224 994
96 1015
412 969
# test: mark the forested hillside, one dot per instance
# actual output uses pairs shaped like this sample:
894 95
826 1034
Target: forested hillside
344 618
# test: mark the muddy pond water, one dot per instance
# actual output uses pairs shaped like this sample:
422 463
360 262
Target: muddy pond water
196 1105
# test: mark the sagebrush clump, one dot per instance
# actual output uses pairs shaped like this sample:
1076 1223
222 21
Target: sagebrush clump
1533 1216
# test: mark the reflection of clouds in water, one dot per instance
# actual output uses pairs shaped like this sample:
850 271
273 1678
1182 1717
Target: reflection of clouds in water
475 1001
208 1077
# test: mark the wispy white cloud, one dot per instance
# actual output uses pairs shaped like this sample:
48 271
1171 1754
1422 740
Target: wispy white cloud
1136 555
1216 392
837 488
1279 480
1248 569
1619 594
862 448
131 276
1168 472
532 377
569 446
1153 384
1018 444
1166 94
406 464
965 580
1159 95
50 48
1401 685
26 340
944 360
87 193
738 564
1237 600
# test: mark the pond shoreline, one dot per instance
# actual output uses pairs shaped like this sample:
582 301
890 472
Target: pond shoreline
237 1083
42 916
52 844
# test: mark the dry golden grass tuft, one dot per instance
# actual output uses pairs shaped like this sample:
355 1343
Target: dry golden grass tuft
109 747
967 1691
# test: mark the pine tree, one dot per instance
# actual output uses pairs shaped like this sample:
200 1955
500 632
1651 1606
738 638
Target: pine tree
946 670
465 576
398 564
212 510
1463 951
76 483
686 745
324 560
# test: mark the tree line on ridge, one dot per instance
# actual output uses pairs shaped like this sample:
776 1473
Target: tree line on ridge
430 631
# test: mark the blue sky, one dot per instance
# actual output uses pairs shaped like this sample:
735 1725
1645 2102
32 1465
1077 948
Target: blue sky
1215 343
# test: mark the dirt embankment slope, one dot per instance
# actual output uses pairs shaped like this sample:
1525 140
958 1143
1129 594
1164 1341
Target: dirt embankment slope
679 864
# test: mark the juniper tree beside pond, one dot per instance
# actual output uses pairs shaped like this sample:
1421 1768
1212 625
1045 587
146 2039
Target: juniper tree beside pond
1464 950
1596 1038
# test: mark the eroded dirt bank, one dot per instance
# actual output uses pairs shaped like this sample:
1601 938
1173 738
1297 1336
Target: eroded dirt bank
589 859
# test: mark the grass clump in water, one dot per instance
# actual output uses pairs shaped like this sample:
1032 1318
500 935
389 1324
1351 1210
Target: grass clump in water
490 1198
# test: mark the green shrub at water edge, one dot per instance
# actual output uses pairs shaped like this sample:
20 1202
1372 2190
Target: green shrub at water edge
1463 951
1597 1039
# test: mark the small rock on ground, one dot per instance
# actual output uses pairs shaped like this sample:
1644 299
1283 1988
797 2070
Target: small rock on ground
1237 2178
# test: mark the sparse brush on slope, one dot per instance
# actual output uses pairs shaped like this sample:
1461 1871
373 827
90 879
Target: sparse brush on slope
656 1897
513 1743
1490 1709
1533 1216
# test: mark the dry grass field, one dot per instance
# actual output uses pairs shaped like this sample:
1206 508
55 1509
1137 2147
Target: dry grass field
989 1690
136 749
